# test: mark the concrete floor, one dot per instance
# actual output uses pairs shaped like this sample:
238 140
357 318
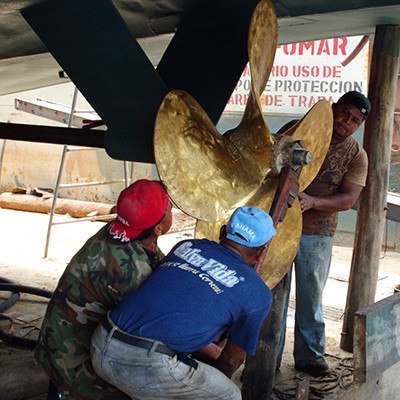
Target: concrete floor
22 238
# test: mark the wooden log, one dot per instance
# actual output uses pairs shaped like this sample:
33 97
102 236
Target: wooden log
372 202
75 208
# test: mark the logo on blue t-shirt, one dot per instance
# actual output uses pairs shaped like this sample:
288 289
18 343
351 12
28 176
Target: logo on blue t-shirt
218 271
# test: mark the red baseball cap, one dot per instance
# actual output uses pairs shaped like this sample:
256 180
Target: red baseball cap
139 206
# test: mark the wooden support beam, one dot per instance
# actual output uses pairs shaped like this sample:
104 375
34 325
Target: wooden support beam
372 202
259 371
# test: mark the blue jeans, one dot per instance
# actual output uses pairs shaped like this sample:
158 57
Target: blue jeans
312 263
147 375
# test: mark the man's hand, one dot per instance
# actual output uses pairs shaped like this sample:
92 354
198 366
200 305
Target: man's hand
342 201
306 201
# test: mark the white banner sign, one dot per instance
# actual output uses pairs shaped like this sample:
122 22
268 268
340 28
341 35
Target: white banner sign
304 73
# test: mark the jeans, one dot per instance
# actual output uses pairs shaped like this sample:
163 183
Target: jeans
146 375
312 265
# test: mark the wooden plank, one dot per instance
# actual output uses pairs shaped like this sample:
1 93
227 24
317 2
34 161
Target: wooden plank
393 204
376 338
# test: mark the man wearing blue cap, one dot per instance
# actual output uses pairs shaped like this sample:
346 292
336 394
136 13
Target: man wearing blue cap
151 343
336 188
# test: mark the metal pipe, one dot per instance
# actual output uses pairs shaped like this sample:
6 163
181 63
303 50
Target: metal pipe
3 148
364 40
69 185
93 218
127 178
57 187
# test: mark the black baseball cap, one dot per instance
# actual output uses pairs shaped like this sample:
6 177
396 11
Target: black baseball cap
357 100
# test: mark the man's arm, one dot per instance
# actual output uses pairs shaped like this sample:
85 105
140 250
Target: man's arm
231 358
341 201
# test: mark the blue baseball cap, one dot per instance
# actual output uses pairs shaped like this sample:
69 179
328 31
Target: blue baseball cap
250 226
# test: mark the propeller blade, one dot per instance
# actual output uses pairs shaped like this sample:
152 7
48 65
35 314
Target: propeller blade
209 175
283 247
206 176
252 136
315 130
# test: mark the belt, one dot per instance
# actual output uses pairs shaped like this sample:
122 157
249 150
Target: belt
147 344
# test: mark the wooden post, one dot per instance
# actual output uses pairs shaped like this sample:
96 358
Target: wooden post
372 202
259 371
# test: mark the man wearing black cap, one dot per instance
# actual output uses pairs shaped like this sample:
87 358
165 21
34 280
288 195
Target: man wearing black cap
336 188
111 264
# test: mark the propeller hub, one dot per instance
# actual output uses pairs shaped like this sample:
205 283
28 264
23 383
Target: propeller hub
302 156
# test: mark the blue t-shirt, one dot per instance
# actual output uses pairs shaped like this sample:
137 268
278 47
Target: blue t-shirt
201 289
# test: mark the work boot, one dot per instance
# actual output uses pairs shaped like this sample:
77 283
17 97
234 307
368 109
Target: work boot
313 367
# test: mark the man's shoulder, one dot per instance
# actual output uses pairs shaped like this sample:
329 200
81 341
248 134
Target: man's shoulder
100 259
346 154
101 246
261 295
349 144
359 148
195 243
355 143
355 153
359 152
260 287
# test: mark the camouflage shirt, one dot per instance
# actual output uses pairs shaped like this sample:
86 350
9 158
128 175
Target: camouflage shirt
98 277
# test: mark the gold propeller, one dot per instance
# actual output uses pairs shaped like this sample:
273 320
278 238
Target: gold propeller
209 175
206 175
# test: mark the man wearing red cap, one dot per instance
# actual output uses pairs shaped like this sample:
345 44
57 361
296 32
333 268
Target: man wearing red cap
203 289
111 264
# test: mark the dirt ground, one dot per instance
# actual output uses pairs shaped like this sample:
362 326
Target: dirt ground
23 236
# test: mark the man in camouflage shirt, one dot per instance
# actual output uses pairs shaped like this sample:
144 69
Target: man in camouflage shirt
112 264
